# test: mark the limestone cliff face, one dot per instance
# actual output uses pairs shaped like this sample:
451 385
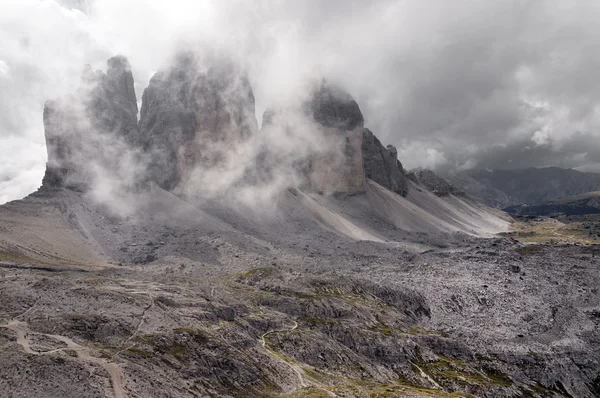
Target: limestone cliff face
347 153
194 113
339 167
89 128
382 164
197 115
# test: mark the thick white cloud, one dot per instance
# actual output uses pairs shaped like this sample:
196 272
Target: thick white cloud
464 83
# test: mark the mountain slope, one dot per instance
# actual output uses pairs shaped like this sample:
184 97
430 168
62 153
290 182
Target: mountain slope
318 295
588 203
504 188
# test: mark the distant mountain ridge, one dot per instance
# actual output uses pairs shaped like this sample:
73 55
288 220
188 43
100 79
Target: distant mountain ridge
588 203
506 188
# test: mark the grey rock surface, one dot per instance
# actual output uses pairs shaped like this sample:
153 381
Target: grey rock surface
90 127
382 164
265 304
331 120
332 106
339 168
193 113
434 183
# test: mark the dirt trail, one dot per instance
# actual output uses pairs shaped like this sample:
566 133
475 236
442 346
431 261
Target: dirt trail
114 371
426 376
295 367
16 327
138 328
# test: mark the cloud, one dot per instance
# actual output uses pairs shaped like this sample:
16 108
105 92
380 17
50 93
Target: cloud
467 83
4 70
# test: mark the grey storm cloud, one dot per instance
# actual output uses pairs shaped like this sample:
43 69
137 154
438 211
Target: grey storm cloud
453 84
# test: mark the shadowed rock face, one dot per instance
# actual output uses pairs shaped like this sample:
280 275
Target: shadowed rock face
87 129
348 153
338 169
330 124
331 106
382 164
433 182
196 115
193 114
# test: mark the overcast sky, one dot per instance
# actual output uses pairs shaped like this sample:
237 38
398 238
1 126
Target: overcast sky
453 84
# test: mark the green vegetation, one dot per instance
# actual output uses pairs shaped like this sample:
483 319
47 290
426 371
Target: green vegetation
139 352
383 328
257 273
447 371
418 330
317 321
172 345
15 257
548 230
199 336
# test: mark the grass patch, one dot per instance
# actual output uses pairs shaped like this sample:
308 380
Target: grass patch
139 352
198 335
448 371
317 321
173 345
421 331
551 231
257 273
14 257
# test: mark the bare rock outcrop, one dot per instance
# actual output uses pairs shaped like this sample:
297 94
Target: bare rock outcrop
340 167
89 129
434 183
382 164
327 125
347 153
194 113
331 106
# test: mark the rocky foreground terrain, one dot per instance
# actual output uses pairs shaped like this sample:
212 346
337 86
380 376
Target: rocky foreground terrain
174 302
189 254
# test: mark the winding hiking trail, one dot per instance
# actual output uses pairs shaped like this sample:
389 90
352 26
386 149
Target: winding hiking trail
426 376
295 367
114 371
138 328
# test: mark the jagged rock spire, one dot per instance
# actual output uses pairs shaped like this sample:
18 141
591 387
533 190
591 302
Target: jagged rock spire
78 127
340 167
193 112
349 153
332 106
382 164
